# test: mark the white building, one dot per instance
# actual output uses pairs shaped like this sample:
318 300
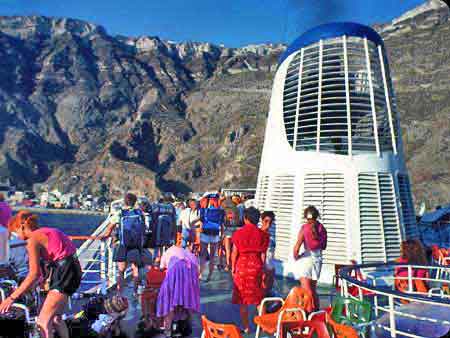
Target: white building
333 140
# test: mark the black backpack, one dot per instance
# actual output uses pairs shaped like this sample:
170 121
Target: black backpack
163 225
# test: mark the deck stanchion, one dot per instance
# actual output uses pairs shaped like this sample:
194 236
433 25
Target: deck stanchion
103 261
410 286
392 316
375 298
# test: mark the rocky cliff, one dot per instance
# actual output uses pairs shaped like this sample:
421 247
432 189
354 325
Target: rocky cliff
80 108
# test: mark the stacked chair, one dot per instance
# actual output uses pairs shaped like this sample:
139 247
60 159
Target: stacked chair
346 318
215 330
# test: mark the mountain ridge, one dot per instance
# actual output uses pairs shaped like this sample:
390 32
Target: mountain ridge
82 109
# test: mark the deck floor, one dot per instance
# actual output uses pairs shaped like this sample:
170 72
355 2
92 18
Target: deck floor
215 300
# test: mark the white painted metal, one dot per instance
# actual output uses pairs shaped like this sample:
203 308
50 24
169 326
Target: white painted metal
435 297
388 101
299 92
319 96
347 97
372 99
329 117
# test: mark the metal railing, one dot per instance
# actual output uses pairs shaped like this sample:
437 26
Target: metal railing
95 256
379 285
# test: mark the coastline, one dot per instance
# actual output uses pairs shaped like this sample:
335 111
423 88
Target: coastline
61 211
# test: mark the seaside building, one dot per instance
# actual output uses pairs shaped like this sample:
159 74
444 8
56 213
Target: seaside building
333 140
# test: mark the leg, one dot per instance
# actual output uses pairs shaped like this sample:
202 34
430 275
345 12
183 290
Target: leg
315 295
121 267
168 320
306 284
203 255
135 273
212 255
228 251
185 234
243 310
53 305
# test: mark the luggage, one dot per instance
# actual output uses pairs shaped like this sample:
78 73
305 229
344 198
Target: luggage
7 272
212 219
80 328
181 328
149 297
16 322
116 304
132 227
163 220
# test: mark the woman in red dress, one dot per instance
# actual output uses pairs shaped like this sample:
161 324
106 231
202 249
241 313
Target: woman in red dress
247 260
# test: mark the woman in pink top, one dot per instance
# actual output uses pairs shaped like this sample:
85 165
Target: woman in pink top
313 236
58 252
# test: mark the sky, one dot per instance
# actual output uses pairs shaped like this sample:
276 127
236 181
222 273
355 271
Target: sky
232 23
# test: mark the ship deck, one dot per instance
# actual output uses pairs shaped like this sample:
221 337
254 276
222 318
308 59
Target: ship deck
215 303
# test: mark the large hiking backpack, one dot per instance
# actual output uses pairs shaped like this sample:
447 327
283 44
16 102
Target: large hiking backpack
163 224
132 227
212 219
232 216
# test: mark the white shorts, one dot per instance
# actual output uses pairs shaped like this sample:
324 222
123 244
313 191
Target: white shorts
308 265
209 238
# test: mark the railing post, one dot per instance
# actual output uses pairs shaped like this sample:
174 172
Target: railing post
375 299
410 285
392 316
103 261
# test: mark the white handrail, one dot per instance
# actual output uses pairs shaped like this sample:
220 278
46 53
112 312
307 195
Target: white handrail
394 296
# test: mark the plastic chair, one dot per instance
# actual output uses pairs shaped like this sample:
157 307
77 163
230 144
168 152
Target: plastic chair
341 330
308 329
355 273
293 309
215 330
351 311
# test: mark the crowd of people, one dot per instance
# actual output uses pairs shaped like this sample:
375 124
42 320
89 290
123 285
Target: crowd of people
215 226
184 239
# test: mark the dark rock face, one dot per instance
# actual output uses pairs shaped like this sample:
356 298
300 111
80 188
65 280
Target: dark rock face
80 108
418 44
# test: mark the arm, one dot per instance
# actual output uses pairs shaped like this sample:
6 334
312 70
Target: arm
108 231
298 244
234 256
32 277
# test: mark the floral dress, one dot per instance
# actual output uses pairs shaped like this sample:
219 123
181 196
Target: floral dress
251 242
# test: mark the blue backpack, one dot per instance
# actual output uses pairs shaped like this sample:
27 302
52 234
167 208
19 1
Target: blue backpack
132 228
212 219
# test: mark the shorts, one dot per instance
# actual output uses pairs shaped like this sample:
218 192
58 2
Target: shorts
308 265
228 232
204 238
66 275
129 255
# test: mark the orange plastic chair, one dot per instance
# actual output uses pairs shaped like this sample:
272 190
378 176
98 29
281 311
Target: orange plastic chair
341 330
294 307
214 330
307 329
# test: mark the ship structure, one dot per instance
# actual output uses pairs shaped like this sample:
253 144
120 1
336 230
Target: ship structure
333 140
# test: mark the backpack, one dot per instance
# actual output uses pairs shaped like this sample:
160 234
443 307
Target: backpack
163 224
132 227
212 219
232 217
